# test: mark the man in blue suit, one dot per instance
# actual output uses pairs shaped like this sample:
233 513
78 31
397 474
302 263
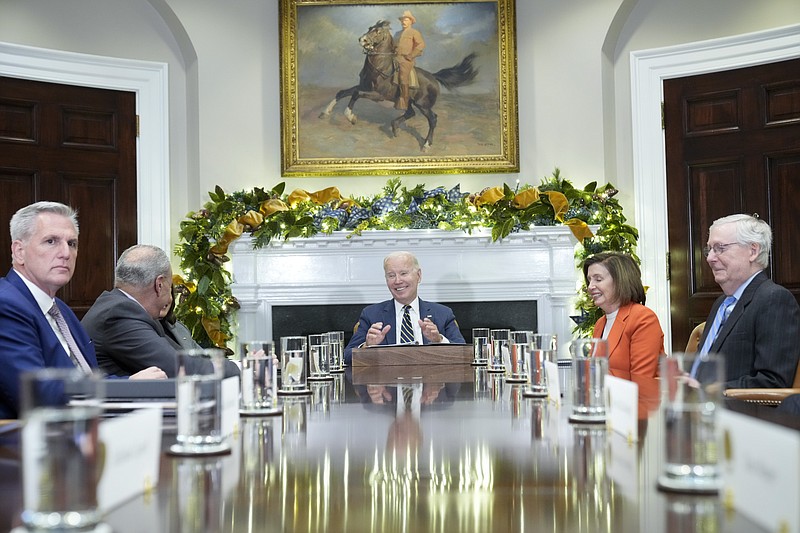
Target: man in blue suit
44 248
431 322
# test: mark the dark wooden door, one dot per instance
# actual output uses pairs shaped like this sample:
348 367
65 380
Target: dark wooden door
732 146
74 145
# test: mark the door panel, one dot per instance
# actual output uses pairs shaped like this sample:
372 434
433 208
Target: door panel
711 196
74 145
784 186
732 146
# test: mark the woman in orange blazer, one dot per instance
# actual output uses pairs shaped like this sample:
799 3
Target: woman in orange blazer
635 339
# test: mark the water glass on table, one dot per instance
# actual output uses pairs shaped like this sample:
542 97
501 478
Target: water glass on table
543 349
480 346
691 396
198 391
62 457
498 355
293 365
259 379
319 362
336 349
589 370
518 356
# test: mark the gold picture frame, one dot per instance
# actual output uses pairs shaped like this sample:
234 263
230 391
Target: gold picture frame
325 48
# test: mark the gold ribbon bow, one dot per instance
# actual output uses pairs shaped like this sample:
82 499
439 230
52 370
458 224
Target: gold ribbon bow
560 204
580 229
525 198
489 196
320 197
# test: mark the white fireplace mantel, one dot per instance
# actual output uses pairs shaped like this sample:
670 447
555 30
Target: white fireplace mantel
456 267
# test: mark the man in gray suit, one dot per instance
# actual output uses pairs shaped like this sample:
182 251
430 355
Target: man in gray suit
759 335
124 322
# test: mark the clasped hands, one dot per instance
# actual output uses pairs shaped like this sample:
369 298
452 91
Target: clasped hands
377 332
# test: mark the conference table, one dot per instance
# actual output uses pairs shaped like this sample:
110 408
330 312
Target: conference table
469 454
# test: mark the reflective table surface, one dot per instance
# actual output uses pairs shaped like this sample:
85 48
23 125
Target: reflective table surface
475 455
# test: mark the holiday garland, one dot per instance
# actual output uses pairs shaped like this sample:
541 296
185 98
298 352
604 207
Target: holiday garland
205 301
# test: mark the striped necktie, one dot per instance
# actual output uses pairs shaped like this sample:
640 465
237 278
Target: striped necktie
74 352
406 330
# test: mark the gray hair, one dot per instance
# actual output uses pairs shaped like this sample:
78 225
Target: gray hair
750 230
140 265
23 223
407 256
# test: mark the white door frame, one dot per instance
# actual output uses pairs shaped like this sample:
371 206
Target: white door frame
649 68
149 80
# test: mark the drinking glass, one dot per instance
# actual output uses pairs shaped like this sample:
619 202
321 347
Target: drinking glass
293 371
480 346
62 458
499 353
336 348
518 356
259 379
691 393
543 349
319 362
198 394
589 370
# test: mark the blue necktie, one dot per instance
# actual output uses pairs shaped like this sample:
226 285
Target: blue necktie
723 313
406 329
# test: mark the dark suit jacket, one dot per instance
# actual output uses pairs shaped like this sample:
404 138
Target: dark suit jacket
28 342
761 338
128 339
441 315
635 342
180 334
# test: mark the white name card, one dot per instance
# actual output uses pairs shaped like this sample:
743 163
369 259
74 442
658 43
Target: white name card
132 453
553 388
230 406
622 409
761 463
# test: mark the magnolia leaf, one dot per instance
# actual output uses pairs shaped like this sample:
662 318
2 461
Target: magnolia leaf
202 285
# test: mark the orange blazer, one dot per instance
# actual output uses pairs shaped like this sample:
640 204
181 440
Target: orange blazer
635 342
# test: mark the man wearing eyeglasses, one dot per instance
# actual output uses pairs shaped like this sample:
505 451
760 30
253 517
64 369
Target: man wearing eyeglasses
405 319
755 324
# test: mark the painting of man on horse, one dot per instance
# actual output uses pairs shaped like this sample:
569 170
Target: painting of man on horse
381 79
348 103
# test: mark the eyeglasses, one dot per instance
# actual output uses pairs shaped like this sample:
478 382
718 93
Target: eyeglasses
718 249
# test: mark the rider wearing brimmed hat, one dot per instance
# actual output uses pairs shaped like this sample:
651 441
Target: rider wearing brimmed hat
408 46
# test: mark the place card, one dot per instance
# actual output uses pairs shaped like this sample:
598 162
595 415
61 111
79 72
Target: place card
553 389
761 461
622 404
132 445
230 406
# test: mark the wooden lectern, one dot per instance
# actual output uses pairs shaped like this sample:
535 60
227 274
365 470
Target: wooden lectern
429 363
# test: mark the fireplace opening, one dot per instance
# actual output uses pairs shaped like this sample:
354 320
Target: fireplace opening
308 319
